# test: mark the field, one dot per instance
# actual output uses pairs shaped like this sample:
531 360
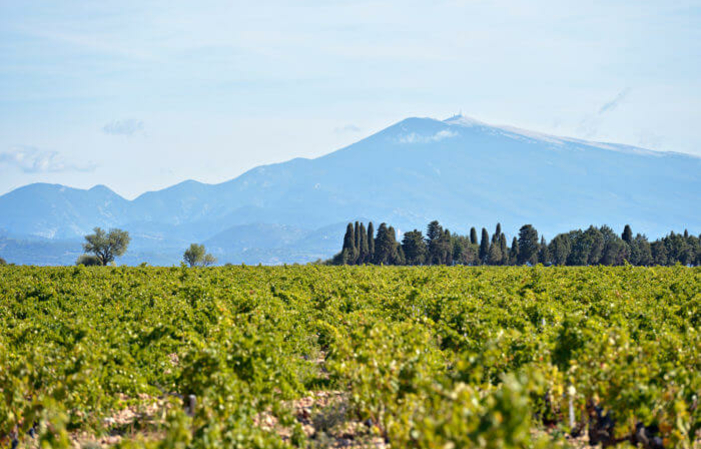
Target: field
431 357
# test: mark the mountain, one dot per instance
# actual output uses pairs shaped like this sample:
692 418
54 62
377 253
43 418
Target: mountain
460 171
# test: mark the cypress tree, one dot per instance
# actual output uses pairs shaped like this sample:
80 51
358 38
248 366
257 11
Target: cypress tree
543 252
504 249
371 242
527 245
386 246
497 233
363 247
495 256
349 253
514 252
473 235
627 235
356 234
484 246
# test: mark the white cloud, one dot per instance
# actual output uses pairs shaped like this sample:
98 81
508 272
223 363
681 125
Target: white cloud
127 127
347 129
33 160
418 138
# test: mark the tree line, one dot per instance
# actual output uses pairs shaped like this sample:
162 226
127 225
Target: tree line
102 247
593 246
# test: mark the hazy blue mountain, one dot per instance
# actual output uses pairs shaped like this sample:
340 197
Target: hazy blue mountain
460 171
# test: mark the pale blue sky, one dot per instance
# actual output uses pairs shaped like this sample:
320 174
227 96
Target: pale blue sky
142 94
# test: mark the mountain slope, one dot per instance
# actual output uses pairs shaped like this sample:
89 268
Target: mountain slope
459 171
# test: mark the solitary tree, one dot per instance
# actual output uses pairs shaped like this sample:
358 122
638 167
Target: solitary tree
371 242
107 245
196 255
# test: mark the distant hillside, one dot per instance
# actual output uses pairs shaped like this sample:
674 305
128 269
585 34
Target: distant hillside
459 171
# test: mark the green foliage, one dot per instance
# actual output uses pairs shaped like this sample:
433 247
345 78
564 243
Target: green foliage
196 255
426 357
106 246
88 260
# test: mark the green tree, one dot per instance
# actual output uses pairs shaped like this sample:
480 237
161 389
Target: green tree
627 235
434 233
3 261
544 252
473 236
658 251
414 247
495 256
514 252
596 245
497 233
559 249
106 246
371 242
640 251
88 260
349 253
504 249
196 255
363 246
527 245
484 246
386 247
616 251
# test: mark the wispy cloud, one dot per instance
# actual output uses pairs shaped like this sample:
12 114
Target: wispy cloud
347 129
33 160
589 126
127 127
613 104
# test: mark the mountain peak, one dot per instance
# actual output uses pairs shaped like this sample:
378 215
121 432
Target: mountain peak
462 120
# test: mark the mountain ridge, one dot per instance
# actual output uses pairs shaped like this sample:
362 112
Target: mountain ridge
460 171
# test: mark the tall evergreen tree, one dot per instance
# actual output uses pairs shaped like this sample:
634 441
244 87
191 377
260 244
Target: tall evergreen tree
504 249
627 235
484 246
559 249
514 252
414 247
497 233
473 236
434 232
658 251
640 251
349 252
596 245
543 252
495 256
527 245
356 234
386 247
363 247
371 243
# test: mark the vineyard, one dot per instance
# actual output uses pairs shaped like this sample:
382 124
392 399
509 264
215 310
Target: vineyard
377 357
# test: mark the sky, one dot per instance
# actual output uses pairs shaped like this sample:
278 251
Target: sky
139 95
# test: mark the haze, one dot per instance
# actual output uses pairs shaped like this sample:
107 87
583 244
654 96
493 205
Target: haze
141 95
